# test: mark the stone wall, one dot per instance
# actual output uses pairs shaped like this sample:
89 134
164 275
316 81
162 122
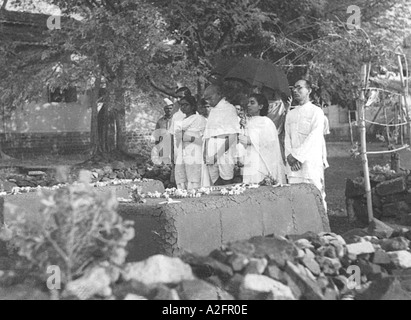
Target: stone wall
391 193
16 144
138 139
203 224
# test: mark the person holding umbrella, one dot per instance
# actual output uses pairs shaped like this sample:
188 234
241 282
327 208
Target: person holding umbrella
304 129
263 155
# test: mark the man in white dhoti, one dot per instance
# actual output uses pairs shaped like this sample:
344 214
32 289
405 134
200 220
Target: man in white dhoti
304 140
220 139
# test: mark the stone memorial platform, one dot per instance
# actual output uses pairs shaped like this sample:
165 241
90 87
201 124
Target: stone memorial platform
201 225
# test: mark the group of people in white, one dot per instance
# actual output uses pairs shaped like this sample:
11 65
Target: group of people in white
206 140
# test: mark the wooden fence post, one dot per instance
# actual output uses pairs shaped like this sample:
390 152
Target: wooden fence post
363 134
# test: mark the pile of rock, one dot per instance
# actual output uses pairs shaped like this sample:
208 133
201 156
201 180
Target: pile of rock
116 170
120 170
364 264
391 194
161 173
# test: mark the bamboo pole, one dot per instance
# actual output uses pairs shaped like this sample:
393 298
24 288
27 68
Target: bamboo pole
388 151
351 132
387 127
403 99
363 134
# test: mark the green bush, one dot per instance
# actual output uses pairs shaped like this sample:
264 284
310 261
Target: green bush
77 227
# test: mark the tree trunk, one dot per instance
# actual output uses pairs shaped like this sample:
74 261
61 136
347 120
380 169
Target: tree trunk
3 6
94 136
103 127
108 119
111 119
121 130
120 114
4 156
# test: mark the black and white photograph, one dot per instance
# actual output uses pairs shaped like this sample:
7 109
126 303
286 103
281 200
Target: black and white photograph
205 154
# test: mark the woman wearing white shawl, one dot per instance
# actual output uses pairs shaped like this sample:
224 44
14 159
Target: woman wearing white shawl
189 140
263 157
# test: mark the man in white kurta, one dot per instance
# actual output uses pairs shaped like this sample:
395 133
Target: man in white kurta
304 140
220 139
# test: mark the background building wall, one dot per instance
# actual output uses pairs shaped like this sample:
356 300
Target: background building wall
42 128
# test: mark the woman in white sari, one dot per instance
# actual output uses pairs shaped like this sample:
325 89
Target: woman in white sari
189 140
263 154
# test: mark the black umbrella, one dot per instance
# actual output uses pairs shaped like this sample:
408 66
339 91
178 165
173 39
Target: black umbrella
255 72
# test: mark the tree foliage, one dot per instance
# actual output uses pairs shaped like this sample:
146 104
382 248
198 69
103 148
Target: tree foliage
124 46
307 38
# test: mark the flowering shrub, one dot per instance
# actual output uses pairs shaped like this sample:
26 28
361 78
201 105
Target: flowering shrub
383 169
76 227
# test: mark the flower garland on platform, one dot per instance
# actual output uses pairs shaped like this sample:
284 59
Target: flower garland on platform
139 197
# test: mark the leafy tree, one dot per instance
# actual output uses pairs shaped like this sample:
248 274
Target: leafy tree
324 49
128 46
307 38
112 45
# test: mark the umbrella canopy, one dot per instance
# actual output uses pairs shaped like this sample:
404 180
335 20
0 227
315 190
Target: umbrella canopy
255 72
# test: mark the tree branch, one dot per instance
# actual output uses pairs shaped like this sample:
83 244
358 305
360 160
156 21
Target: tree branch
161 89
3 6
111 6
255 5
200 43
222 39
237 45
